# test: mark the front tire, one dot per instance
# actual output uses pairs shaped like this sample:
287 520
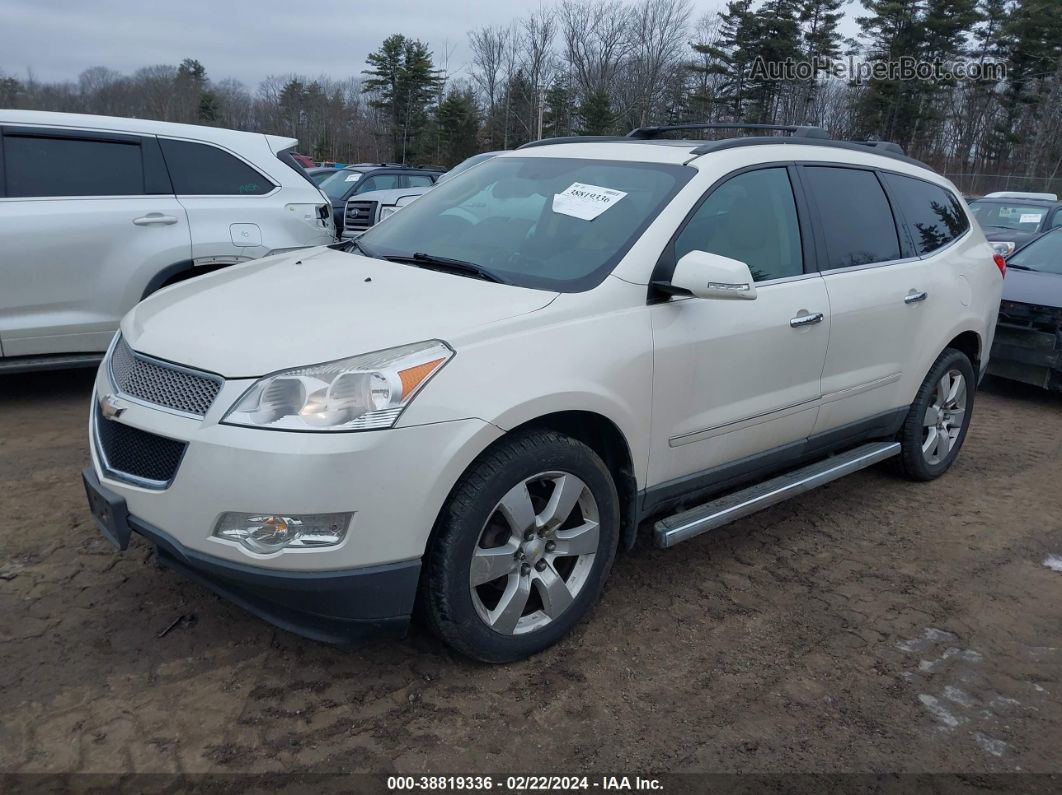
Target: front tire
522 548
936 424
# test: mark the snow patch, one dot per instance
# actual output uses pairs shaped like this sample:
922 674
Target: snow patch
1054 562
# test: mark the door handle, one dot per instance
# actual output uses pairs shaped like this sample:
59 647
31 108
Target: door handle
914 298
806 320
155 219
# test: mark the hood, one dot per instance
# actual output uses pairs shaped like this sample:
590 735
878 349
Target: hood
1032 287
313 306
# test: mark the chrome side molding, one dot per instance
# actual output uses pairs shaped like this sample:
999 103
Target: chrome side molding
723 510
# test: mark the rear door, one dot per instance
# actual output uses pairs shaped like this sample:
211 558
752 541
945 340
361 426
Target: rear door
87 220
734 379
880 293
230 203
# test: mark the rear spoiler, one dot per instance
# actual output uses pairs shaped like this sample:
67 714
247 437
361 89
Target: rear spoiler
278 143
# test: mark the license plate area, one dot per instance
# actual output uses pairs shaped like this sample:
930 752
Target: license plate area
108 510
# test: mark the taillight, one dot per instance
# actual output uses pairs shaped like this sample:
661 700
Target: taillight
1001 263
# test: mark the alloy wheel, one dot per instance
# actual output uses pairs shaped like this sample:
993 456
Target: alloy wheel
535 553
944 416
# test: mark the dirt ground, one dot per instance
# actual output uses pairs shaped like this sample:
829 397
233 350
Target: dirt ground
872 625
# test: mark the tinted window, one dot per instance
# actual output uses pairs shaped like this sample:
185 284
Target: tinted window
417 181
1057 220
752 218
934 215
555 223
1044 255
70 167
1008 215
855 215
202 170
378 182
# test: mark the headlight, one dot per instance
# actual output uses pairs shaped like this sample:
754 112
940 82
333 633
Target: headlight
387 212
356 394
1003 249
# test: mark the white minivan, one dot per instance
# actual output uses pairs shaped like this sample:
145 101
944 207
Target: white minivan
469 412
97 213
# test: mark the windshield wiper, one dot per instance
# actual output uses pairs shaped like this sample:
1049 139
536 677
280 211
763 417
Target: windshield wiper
1018 267
460 266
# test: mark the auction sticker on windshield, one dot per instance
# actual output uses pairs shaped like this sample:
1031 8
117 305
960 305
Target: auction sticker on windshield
585 201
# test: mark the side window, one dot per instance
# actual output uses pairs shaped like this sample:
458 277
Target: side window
1056 221
378 182
49 166
203 170
416 181
934 215
752 218
855 216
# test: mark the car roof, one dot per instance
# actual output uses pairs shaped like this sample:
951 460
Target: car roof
84 121
1017 200
699 153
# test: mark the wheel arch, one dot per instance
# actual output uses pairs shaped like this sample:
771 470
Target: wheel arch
969 343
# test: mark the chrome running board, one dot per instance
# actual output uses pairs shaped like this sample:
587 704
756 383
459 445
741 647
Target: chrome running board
726 509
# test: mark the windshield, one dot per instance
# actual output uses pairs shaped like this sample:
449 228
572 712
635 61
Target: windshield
552 223
1043 255
337 185
1021 217
465 165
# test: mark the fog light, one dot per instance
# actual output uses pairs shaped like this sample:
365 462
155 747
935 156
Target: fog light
266 533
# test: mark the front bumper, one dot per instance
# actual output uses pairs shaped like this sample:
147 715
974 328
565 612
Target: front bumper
337 607
1026 354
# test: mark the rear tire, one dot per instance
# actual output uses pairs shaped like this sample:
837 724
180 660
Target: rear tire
936 425
522 548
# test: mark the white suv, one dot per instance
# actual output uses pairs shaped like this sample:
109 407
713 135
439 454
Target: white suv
470 412
98 212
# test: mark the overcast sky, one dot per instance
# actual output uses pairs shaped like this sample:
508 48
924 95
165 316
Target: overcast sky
244 39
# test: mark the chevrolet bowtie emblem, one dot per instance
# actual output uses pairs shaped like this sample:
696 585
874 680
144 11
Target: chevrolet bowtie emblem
111 407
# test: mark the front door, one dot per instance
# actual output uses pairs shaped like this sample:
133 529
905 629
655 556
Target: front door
736 378
86 223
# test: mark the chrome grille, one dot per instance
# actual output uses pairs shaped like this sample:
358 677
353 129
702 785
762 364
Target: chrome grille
359 215
161 383
130 454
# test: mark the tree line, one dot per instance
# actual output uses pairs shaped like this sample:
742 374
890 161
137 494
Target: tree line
599 67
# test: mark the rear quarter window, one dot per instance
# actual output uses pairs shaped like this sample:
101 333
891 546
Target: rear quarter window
934 215
204 170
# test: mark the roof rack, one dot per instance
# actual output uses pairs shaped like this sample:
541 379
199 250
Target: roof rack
797 131
802 135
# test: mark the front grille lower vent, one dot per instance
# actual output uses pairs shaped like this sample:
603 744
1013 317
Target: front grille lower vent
161 383
129 453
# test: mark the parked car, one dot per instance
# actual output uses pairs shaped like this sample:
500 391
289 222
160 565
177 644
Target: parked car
98 212
474 407
303 160
367 209
1011 219
320 173
1028 343
366 177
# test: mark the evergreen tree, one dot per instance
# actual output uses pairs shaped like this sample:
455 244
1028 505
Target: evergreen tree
557 117
404 81
457 123
596 115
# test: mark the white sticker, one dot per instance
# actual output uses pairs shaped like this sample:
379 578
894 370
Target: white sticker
585 201
1030 218
353 177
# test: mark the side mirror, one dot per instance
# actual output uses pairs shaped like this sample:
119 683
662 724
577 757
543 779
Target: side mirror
705 275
